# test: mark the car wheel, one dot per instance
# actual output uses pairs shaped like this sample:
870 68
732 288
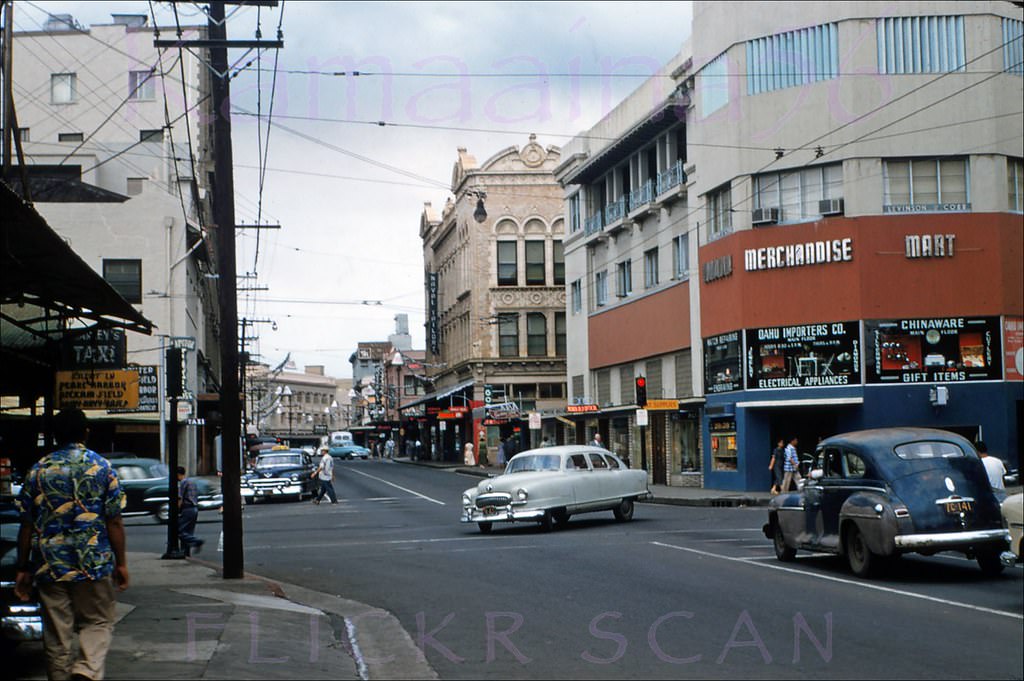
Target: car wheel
783 552
485 527
624 511
862 561
163 513
989 563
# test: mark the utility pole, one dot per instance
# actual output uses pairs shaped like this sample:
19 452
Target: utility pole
224 221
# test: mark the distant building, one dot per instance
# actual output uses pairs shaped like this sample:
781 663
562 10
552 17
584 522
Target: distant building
495 300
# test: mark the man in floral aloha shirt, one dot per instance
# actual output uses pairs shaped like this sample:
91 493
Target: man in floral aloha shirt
71 519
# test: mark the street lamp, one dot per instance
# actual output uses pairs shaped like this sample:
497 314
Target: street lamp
283 392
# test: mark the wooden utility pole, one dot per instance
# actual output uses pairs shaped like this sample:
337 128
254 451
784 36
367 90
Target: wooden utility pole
223 190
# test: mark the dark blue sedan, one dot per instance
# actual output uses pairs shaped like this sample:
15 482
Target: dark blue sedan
874 495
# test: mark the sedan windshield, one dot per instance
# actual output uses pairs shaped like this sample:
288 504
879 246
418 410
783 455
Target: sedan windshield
539 462
278 460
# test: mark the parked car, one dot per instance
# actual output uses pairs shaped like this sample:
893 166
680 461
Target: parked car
20 621
280 473
349 451
552 484
1013 516
145 481
876 494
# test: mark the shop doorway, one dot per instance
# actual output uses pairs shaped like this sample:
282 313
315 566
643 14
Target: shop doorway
658 447
808 425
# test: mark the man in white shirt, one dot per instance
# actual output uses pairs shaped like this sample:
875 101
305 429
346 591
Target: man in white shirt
325 471
995 469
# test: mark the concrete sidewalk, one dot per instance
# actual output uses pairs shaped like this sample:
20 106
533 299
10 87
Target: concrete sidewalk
180 619
660 494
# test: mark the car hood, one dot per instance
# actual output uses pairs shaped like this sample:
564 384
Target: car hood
513 481
920 490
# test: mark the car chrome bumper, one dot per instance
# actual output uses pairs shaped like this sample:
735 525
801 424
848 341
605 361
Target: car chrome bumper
272 489
1009 558
951 539
504 514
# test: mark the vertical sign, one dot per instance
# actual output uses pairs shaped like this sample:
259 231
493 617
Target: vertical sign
1013 348
433 331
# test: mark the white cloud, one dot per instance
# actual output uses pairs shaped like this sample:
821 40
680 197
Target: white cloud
346 240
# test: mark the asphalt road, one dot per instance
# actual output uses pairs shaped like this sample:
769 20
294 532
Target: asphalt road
679 591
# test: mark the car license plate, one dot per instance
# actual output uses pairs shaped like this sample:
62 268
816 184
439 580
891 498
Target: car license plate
955 507
489 510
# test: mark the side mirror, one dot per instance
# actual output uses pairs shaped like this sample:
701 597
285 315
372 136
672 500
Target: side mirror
817 474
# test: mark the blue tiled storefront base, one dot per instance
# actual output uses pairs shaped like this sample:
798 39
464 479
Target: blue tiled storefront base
992 410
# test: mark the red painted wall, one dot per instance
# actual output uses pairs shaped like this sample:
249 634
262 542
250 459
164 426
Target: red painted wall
985 275
652 325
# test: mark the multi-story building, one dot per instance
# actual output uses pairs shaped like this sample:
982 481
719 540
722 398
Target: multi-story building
495 274
385 376
850 208
298 407
115 135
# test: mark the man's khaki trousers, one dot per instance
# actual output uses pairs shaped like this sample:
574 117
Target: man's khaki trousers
88 607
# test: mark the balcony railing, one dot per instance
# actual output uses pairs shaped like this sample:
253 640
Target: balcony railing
593 224
671 177
641 196
614 211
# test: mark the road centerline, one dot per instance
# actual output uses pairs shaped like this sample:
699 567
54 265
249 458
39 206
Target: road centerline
404 489
830 578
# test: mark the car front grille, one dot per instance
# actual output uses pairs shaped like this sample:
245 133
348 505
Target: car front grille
495 499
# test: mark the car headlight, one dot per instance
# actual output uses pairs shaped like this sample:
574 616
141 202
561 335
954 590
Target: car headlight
294 477
522 494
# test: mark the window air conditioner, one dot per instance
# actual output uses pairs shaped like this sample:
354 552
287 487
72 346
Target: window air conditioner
830 206
766 216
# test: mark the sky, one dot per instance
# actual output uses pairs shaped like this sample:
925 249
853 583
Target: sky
348 192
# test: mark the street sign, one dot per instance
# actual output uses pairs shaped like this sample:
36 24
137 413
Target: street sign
641 417
663 405
183 343
114 389
534 420
149 395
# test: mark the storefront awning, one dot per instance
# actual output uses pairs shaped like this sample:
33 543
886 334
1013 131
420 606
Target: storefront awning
47 292
41 269
433 397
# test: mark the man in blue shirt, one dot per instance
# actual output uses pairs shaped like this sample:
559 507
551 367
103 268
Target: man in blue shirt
791 467
71 514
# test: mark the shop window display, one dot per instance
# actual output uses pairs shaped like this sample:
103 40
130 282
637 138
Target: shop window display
723 445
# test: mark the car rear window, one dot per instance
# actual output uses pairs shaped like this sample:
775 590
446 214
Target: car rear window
929 450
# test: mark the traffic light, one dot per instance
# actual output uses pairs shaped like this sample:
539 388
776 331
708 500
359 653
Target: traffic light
174 372
641 391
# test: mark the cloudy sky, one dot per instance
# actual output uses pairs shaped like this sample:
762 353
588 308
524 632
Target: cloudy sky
348 193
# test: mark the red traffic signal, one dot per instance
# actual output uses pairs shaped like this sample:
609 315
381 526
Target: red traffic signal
641 391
